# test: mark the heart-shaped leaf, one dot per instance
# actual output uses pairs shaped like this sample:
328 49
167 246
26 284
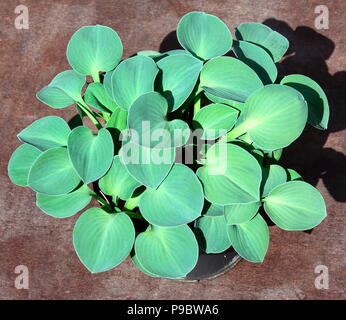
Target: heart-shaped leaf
147 117
230 175
315 97
45 133
257 59
20 163
273 176
229 78
267 112
52 173
295 205
211 230
196 32
240 213
178 77
94 48
262 35
66 205
103 240
95 96
167 252
130 79
118 182
149 166
64 90
215 120
178 200
250 239
91 155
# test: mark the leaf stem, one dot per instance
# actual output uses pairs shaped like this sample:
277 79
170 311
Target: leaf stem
96 76
197 101
135 215
90 114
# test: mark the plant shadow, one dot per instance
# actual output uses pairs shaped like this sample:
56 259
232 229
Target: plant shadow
308 52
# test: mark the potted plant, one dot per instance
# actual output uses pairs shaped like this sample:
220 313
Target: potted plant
184 151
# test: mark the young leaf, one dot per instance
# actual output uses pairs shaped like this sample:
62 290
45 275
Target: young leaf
211 230
230 175
130 79
257 59
118 182
45 133
91 155
64 90
103 240
167 252
20 163
295 205
262 35
178 77
229 78
118 120
273 176
95 96
147 116
250 239
66 205
94 48
196 32
315 97
240 213
149 166
215 120
178 200
52 173
293 175
269 110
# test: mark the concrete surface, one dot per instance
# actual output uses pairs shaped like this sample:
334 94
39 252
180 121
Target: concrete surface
29 60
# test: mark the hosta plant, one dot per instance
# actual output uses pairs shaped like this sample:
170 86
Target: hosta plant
182 150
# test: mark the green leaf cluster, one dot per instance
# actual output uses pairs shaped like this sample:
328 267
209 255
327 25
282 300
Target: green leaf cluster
153 207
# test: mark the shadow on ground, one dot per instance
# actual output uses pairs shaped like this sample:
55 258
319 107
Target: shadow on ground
307 55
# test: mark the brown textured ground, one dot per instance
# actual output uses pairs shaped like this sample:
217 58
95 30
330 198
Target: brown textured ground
29 60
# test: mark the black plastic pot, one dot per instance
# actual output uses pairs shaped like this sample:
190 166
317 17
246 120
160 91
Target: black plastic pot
210 266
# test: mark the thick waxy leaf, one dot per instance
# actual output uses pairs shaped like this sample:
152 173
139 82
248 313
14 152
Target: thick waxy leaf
167 252
178 77
64 90
204 35
257 59
229 78
147 117
178 200
118 182
295 205
52 173
250 239
237 105
149 166
94 48
20 163
293 175
118 120
103 240
95 96
211 230
240 213
66 205
315 97
91 155
141 268
45 133
130 79
215 120
273 176
230 175
273 117
260 34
